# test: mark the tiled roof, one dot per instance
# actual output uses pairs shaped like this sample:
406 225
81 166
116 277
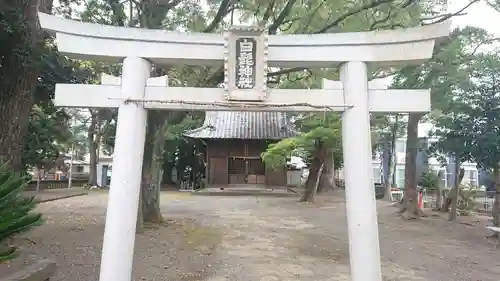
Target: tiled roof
243 125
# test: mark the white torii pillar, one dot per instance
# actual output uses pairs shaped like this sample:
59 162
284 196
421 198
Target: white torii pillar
123 201
364 97
364 249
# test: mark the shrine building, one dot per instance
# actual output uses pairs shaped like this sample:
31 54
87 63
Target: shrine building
234 142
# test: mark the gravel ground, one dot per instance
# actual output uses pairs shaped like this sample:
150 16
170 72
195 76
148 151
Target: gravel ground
259 239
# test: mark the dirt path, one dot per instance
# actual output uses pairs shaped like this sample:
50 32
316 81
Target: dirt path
278 239
72 236
260 239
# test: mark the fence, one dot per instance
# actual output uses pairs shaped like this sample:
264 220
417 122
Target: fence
483 200
55 184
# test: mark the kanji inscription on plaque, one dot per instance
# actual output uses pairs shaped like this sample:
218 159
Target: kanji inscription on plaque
245 63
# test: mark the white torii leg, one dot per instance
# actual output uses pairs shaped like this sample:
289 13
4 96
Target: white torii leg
360 194
121 215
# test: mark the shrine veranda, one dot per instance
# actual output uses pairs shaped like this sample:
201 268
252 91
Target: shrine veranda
246 53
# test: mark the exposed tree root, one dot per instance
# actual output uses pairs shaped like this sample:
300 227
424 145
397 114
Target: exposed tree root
410 211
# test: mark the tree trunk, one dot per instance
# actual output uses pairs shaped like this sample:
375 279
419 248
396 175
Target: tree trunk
38 179
167 172
151 194
152 168
327 178
449 196
333 176
316 184
456 191
388 180
309 190
495 212
139 225
92 143
392 163
439 195
21 50
410 197
146 171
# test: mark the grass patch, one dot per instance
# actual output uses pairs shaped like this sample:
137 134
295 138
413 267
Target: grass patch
201 238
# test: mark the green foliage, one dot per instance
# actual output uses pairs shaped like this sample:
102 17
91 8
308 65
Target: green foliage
176 145
385 130
14 30
483 122
468 124
430 180
175 131
316 16
47 132
444 73
276 154
16 211
447 74
318 130
56 68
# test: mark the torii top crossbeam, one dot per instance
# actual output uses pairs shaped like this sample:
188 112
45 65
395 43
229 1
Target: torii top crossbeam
89 41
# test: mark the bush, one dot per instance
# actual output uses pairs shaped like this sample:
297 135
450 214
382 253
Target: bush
429 180
467 199
16 211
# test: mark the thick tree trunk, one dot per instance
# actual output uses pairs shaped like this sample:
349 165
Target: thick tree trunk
151 194
410 197
21 50
146 172
310 186
152 168
456 191
317 183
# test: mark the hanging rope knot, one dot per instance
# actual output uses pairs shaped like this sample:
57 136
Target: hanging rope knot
127 100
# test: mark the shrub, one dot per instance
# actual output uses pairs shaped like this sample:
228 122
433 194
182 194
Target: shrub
16 211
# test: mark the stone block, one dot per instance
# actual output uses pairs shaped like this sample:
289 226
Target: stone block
41 271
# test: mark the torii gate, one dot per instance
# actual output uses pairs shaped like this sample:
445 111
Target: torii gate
251 50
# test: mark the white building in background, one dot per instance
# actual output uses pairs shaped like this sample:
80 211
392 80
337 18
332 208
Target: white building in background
104 167
471 171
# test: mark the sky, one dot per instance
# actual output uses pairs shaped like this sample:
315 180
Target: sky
479 14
